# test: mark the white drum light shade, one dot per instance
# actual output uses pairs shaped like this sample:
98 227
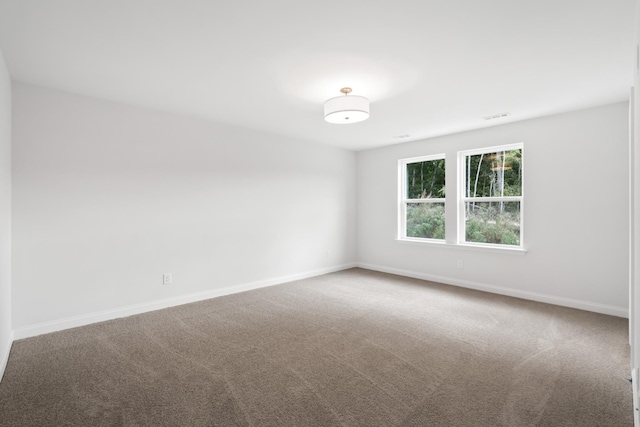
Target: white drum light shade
346 109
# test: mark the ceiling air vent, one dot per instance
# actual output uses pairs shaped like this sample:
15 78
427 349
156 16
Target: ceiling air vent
496 116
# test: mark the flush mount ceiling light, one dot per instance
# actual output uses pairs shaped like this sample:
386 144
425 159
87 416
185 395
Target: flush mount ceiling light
346 109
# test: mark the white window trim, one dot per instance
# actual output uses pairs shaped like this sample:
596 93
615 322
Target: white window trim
403 201
461 231
472 247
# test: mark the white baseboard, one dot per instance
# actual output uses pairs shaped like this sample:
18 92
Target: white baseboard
4 358
534 296
87 319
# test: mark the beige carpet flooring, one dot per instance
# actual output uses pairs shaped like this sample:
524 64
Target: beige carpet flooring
354 348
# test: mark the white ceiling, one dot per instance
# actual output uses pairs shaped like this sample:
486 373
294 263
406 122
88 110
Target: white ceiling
429 67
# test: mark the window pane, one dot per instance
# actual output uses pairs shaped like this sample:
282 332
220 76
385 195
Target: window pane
493 222
425 180
495 174
425 220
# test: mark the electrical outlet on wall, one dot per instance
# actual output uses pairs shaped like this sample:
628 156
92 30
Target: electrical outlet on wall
460 264
166 279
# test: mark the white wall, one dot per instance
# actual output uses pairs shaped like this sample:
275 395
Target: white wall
576 212
5 214
634 267
107 197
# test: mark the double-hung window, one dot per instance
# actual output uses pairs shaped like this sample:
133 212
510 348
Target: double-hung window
490 206
422 197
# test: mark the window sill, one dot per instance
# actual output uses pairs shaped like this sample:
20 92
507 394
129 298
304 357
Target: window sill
464 246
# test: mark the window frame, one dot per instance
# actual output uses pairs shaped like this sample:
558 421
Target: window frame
462 199
403 201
